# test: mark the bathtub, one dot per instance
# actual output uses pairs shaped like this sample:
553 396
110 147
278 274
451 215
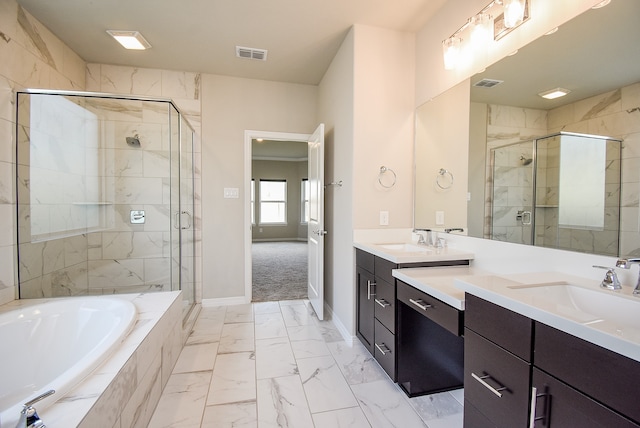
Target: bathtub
54 345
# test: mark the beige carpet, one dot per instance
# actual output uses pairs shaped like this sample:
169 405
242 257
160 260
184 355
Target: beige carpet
279 270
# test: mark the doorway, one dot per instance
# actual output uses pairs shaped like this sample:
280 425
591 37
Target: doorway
276 248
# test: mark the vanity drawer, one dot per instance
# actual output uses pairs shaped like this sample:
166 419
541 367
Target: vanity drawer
384 349
385 304
444 315
608 377
365 260
383 269
506 328
507 374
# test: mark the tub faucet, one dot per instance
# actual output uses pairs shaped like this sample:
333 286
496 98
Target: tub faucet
28 416
626 264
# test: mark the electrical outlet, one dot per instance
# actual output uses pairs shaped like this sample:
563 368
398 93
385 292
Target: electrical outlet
231 192
439 218
384 218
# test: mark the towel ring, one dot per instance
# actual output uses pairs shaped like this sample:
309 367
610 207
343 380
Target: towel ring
383 171
444 179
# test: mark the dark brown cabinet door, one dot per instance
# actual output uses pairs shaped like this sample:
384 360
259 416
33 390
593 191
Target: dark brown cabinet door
496 382
560 406
365 309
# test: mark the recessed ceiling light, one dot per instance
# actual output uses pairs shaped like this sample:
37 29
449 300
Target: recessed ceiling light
130 39
601 4
550 32
554 93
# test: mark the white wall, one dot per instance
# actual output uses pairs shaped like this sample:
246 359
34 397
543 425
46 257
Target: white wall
230 106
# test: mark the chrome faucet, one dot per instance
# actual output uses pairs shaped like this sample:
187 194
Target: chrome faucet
626 264
28 416
421 240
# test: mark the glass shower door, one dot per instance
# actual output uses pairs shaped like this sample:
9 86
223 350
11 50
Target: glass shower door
187 229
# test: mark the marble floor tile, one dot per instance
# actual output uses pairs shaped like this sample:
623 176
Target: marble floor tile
237 415
237 338
385 406
206 330
293 302
343 418
282 403
304 332
182 402
274 358
239 313
356 363
309 348
324 384
196 358
436 406
458 394
266 307
269 325
328 331
453 421
234 379
296 315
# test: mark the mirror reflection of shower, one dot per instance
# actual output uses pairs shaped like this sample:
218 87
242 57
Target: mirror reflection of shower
567 197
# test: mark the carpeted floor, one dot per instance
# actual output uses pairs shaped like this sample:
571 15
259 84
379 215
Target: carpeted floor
279 270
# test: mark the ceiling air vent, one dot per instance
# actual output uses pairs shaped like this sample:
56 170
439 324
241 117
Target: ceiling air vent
488 83
251 53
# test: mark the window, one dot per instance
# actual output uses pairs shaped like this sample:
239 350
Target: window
304 191
273 201
253 201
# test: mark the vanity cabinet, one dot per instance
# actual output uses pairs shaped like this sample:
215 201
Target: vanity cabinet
376 312
497 365
523 373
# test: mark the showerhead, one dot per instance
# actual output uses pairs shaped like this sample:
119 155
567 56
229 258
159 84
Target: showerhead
133 141
525 160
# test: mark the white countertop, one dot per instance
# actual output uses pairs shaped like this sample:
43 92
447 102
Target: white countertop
422 253
439 282
610 320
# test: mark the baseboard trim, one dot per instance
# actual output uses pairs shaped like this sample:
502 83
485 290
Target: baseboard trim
348 338
280 240
223 301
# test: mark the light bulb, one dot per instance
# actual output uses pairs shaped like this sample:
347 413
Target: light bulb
451 52
513 12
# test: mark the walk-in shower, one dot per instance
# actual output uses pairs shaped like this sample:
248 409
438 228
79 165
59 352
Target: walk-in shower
105 195
557 191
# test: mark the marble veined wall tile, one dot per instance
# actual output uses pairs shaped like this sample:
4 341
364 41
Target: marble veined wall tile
132 190
115 273
93 78
130 80
125 245
156 163
597 106
38 39
631 97
7 107
180 84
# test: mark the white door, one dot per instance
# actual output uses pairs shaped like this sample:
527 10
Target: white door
315 230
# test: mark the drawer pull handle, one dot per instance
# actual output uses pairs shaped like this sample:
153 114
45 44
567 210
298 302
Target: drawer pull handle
481 379
422 305
534 403
369 285
383 349
382 303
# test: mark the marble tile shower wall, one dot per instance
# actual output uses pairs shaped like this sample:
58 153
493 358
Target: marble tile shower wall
185 91
32 57
611 114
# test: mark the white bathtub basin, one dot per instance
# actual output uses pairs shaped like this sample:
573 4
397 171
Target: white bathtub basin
596 305
54 345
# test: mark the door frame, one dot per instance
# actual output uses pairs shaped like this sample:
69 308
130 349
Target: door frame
250 135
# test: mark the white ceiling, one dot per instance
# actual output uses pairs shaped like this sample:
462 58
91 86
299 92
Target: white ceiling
301 36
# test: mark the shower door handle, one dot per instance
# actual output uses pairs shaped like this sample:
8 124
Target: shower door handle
188 226
178 217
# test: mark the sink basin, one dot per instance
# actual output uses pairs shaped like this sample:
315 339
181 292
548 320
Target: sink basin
408 248
592 306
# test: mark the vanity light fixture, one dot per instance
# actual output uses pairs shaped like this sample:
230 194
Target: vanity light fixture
552 94
130 39
511 14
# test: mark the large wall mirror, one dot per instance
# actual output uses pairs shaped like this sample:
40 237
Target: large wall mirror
562 173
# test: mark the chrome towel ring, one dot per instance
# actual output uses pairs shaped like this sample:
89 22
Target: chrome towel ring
384 170
444 179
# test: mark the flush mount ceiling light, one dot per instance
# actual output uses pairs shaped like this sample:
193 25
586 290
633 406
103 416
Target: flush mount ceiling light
554 93
601 4
130 39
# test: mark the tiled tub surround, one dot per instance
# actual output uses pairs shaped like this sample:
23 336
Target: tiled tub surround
124 391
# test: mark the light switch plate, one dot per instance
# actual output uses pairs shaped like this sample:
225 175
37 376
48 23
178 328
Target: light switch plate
384 218
439 218
231 192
